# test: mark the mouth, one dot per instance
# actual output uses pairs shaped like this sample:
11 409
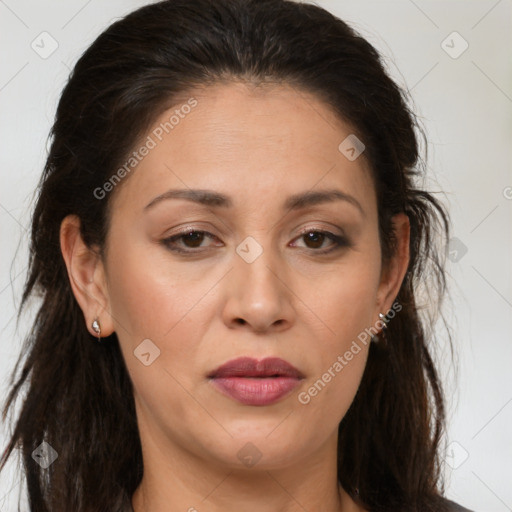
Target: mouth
253 382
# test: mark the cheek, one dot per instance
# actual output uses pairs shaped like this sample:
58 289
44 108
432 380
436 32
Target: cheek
166 304
341 303
153 302
149 297
344 308
326 397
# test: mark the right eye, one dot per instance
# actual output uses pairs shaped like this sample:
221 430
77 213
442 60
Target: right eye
186 241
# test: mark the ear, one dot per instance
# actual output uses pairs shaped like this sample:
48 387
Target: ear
393 274
86 275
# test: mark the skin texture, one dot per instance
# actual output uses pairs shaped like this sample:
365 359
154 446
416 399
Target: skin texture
257 145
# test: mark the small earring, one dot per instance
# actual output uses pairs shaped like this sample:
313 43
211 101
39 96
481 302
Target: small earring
96 328
384 320
377 338
380 338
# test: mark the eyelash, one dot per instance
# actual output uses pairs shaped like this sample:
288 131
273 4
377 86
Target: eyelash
339 241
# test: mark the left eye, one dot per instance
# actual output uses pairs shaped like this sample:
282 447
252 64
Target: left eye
190 239
315 239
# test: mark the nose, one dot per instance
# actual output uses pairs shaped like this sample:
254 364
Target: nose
258 297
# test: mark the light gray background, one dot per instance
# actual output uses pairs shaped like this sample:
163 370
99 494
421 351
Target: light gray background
465 104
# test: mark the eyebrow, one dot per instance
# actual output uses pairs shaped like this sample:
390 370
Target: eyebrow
294 202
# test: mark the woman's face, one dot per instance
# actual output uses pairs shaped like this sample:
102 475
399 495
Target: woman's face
257 279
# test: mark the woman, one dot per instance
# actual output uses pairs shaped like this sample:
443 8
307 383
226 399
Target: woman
229 242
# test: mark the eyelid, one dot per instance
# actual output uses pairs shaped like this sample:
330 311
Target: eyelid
320 229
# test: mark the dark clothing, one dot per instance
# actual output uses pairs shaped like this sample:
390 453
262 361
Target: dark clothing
456 507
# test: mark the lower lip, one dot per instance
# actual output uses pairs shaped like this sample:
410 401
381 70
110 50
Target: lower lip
253 391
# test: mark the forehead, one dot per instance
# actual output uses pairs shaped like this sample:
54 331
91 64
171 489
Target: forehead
265 141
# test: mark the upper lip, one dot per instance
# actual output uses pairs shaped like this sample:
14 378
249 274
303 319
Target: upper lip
249 367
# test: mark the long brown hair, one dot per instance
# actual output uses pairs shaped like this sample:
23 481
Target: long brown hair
79 396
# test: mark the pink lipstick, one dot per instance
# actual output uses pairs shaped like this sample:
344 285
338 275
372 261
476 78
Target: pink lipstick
253 382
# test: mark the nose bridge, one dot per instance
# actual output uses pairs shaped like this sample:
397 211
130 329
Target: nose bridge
253 266
258 296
